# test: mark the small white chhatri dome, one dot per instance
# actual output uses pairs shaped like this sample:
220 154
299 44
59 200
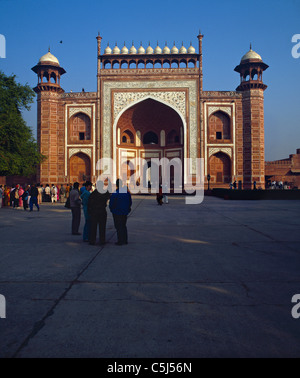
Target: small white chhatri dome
116 50
132 49
124 49
157 49
251 55
174 49
149 49
191 50
49 58
182 49
166 49
141 49
107 50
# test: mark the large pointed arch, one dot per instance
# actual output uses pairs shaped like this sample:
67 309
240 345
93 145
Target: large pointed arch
149 97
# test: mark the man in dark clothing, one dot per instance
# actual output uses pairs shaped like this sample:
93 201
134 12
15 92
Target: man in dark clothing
33 198
97 203
75 203
120 206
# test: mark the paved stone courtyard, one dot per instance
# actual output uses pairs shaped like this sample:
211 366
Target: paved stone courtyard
208 280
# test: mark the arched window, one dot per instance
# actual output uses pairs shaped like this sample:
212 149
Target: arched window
80 128
172 137
127 137
219 127
150 138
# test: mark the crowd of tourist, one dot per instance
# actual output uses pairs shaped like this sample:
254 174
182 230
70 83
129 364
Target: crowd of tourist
18 196
92 201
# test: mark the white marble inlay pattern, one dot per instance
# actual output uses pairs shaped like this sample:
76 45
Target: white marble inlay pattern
73 151
75 110
225 109
123 99
215 150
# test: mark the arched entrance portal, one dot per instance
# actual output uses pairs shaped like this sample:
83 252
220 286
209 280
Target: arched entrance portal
80 168
220 169
147 130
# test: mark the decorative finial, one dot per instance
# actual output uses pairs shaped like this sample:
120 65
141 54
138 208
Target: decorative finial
250 46
49 49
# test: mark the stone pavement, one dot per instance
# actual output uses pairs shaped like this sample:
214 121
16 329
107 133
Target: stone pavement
208 280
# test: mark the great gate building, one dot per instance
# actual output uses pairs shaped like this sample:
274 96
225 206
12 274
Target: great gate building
150 103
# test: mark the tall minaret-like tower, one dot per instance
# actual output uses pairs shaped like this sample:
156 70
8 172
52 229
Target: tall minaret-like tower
252 87
50 119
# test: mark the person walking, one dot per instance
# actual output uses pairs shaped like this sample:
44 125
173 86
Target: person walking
53 193
85 198
75 203
25 198
97 211
33 198
15 196
40 195
120 205
47 193
62 194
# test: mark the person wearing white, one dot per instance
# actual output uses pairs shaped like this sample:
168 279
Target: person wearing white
54 193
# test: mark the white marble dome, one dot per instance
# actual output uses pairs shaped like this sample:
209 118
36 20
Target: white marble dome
191 50
166 50
107 50
182 50
251 55
149 50
116 50
141 50
49 58
124 50
174 49
157 50
132 49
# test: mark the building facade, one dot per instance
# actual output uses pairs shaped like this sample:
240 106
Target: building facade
286 171
150 103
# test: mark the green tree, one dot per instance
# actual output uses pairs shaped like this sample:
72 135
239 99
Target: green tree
19 153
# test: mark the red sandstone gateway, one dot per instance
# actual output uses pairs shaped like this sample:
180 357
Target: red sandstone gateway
150 103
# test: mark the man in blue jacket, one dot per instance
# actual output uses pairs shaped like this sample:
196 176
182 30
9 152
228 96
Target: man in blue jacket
120 206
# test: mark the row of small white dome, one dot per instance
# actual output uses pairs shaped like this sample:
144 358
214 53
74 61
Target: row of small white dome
149 50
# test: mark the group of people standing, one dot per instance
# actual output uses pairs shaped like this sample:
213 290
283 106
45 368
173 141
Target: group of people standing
94 203
18 196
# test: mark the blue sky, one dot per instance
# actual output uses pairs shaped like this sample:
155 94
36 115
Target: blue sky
229 26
